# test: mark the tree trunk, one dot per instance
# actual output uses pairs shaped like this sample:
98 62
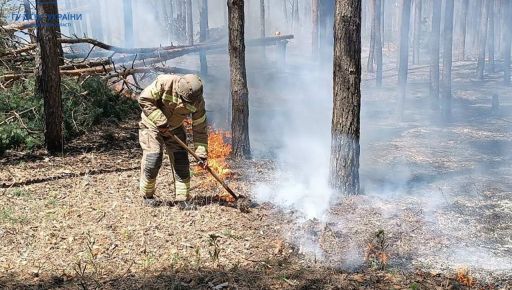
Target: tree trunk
314 28
464 19
239 91
295 13
262 19
190 23
483 39
417 33
491 35
97 21
378 42
371 51
262 24
203 35
128 24
48 75
404 52
28 16
434 53
447 61
382 14
345 131
507 41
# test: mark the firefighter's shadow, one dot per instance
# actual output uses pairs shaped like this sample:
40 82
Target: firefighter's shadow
197 202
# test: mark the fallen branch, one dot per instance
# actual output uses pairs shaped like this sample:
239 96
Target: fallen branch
144 59
17 26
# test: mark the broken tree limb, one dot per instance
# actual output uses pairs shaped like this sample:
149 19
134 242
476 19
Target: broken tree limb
149 53
144 59
108 72
18 26
152 51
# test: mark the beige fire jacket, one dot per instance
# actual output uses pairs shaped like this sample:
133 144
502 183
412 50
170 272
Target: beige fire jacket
161 107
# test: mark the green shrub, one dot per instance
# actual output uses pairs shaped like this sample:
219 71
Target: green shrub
85 105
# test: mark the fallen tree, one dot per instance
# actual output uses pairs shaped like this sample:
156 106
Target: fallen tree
140 60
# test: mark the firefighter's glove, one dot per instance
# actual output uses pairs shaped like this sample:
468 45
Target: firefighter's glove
164 131
202 153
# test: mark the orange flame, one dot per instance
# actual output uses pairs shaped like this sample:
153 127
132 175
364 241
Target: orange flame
218 151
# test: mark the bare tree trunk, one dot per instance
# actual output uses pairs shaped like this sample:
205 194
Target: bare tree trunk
314 28
345 131
28 16
262 19
190 23
128 24
417 32
382 14
97 21
404 52
434 53
239 91
371 51
447 61
48 75
203 35
491 36
507 41
378 42
483 39
465 8
262 24
295 13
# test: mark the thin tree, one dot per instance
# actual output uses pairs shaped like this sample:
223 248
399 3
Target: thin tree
97 21
295 14
507 41
447 61
239 91
371 51
434 53
203 35
484 20
190 23
417 33
314 28
345 131
463 25
128 23
378 42
28 16
404 52
491 35
48 81
262 19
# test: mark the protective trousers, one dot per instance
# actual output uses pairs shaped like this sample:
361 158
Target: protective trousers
153 143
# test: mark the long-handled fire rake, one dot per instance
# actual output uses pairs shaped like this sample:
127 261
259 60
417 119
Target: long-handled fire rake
242 202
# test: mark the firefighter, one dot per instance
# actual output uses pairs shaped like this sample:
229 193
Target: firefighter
165 104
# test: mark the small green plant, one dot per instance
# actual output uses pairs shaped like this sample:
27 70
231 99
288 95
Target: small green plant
21 192
229 234
7 216
415 286
214 248
197 255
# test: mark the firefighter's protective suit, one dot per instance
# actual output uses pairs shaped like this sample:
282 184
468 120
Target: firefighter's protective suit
165 105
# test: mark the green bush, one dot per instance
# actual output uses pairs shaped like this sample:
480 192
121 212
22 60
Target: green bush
85 105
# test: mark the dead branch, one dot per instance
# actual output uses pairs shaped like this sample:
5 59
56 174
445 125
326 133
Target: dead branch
17 26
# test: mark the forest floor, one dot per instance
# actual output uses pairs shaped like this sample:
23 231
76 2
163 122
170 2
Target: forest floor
437 213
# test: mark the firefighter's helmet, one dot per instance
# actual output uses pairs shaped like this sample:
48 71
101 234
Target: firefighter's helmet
190 88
